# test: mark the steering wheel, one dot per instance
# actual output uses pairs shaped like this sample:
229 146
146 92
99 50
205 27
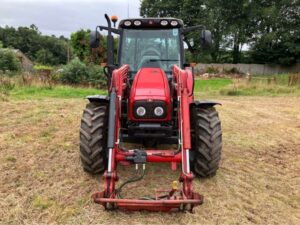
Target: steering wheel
151 52
147 56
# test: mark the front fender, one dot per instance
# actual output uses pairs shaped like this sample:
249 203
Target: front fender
98 98
204 103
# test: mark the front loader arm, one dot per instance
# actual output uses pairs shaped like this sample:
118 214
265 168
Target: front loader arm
118 84
183 90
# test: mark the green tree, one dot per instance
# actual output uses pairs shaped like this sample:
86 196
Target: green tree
57 47
80 44
278 37
45 57
241 18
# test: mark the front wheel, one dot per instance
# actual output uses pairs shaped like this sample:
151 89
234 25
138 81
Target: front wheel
93 137
206 141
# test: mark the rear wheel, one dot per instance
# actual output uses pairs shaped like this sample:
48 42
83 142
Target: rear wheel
206 141
93 137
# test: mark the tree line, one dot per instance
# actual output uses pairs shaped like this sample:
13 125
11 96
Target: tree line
39 48
244 31
51 50
267 29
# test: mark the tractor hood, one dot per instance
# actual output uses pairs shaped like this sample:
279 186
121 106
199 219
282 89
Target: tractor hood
150 83
150 89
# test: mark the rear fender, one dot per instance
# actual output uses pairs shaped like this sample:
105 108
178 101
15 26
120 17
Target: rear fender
98 98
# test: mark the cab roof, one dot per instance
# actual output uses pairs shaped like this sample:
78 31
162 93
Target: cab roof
151 23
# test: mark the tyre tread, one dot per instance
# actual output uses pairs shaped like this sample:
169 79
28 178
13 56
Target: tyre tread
207 141
93 137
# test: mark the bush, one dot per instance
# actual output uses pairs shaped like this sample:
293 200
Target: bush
96 76
212 69
232 70
42 67
76 72
9 61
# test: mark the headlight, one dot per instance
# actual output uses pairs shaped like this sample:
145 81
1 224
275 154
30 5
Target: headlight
174 23
164 22
127 23
137 23
158 111
141 111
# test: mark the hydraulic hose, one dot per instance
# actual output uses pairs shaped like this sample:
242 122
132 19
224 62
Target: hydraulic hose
131 180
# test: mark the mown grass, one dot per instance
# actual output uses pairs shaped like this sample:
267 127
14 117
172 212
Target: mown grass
42 181
55 92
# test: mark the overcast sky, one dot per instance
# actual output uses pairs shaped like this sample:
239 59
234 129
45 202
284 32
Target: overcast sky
62 17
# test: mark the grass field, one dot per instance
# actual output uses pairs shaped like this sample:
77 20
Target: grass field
34 92
211 85
259 86
42 181
258 181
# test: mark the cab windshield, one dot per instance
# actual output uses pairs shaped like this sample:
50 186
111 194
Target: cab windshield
150 48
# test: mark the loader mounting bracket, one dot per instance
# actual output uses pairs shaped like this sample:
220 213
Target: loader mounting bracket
139 157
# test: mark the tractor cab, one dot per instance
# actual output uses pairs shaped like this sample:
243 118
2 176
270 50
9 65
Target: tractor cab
147 43
151 43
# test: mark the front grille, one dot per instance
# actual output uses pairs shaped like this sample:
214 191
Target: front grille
149 106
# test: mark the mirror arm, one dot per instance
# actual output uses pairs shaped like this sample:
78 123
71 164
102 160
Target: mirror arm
192 28
113 30
190 47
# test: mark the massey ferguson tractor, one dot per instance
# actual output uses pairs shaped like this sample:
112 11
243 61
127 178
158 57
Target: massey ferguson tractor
151 102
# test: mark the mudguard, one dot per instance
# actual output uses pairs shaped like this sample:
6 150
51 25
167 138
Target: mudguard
204 103
98 98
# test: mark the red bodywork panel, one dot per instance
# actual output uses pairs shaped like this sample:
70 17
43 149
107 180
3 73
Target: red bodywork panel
190 81
150 84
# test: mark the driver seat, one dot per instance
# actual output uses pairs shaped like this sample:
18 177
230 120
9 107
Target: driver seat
149 54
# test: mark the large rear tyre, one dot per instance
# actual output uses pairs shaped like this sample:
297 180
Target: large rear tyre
206 141
93 137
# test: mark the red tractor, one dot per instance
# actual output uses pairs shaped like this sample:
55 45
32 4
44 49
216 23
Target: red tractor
150 100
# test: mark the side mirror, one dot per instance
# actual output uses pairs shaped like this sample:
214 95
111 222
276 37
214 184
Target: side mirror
206 39
94 39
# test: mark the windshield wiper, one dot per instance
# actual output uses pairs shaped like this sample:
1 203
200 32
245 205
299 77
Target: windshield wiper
163 60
